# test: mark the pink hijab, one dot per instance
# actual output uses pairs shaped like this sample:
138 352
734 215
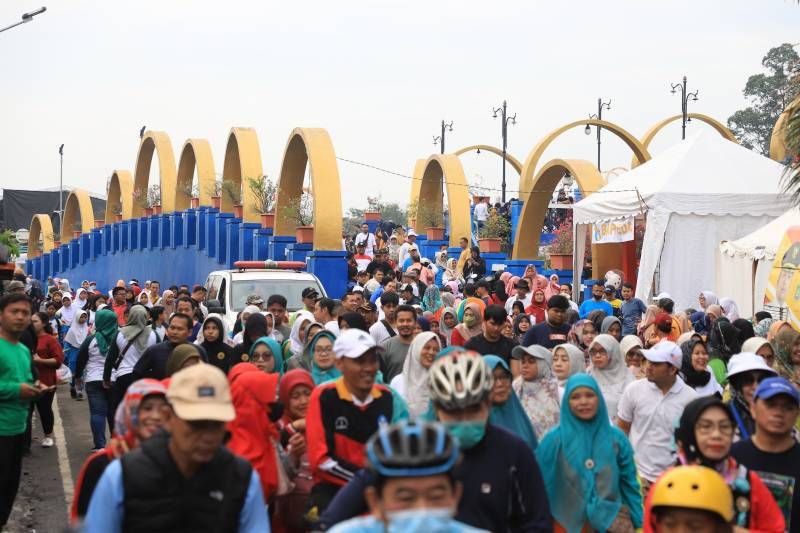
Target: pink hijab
553 288
511 290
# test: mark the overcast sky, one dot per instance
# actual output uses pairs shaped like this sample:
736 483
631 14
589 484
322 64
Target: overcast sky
379 76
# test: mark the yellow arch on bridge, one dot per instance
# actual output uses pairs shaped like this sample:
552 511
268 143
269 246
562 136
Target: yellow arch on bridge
196 153
526 178
312 147
529 227
242 162
120 192
416 185
78 206
647 138
777 141
436 170
158 142
41 228
513 161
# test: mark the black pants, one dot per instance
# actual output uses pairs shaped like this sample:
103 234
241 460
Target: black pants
10 469
44 406
118 390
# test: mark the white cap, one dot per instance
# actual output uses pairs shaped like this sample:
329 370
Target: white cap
662 295
353 343
411 232
745 362
664 352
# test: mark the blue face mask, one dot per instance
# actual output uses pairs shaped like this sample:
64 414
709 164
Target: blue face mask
468 433
420 520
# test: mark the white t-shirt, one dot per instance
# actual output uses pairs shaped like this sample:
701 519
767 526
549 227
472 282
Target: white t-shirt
95 364
402 252
526 302
379 332
653 416
133 355
333 327
481 212
369 239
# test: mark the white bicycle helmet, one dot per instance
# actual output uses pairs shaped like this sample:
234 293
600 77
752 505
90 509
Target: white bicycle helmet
459 380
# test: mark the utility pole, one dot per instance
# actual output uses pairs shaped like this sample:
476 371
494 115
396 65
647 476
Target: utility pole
504 132
684 104
598 116
61 188
440 139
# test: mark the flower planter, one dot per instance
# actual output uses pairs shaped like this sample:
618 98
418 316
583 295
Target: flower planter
434 234
156 209
304 234
490 245
194 203
370 216
216 202
76 234
118 217
148 211
238 211
268 220
56 244
99 223
561 261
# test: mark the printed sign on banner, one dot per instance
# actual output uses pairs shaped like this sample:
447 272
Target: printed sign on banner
783 288
613 231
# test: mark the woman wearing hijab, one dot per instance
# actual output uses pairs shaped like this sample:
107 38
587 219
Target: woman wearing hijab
722 343
610 370
762 328
213 338
776 327
81 298
450 273
73 340
144 299
538 308
568 360
182 356
318 358
537 388
746 371
254 329
761 346
432 301
553 287
631 347
612 326
68 310
530 274
520 325
506 411
707 298
695 370
470 327
587 466
698 322
266 355
787 352
167 301
412 382
730 309
296 339
138 417
582 335
246 313
447 323
746 330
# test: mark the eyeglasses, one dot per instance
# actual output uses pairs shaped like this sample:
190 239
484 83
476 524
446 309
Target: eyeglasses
260 356
598 353
323 350
706 427
503 377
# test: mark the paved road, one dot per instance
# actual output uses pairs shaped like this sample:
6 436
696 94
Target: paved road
48 474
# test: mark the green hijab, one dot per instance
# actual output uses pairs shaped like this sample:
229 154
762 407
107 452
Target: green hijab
105 329
511 415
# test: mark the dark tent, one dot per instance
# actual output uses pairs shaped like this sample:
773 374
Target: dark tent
18 207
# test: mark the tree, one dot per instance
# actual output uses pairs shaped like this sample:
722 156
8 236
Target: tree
792 172
769 94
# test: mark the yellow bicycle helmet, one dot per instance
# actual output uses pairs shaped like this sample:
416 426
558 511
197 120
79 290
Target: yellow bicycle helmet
694 487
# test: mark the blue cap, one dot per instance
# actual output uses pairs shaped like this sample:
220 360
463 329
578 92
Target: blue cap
770 387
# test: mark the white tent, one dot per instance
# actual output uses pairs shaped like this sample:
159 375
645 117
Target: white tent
744 265
695 194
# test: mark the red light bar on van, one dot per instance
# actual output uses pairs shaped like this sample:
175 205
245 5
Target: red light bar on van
281 265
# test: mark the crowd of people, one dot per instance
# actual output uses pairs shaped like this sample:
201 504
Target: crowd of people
430 396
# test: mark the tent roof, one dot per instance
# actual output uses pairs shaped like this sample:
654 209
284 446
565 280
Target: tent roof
762 243
703 175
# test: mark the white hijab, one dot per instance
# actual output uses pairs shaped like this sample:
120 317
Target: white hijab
615 376
67 313
295 343
78 332
415 376
80 304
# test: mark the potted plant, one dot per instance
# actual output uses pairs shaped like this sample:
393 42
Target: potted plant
560 250
77 229
116 209
494 233
373 212
234 193
216 194
301 210
190 189
154 199
99 223
141 199
430 218
265 193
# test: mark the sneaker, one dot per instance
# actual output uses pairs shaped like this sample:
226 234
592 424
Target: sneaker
48 442
80 397
72 393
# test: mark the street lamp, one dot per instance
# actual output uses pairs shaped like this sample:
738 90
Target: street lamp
61 187
598 116
684 104
26 17
440 138
504 131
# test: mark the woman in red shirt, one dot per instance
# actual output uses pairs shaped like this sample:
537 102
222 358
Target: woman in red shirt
48 358
538 308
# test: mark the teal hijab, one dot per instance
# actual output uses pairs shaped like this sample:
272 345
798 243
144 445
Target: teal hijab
568 448
319 375
275 348
511 415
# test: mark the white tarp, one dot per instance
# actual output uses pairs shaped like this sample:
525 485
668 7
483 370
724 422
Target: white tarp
694 194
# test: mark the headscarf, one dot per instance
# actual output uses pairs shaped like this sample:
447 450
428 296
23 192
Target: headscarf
223 334
256 326
80 304
754 344
730 308
448 299
443 329
698 320
126 419
168 308
607 322
762 328
692 377
78 332
424 323
685 436
511 290
439 258
432 300
539 397
476 329
746 330
530 274
568 448
510 415
134 330
615 376
67 313
576 333
553 287
319 375
577 360
713 312
146 301
290 380
518 333
253 434
105 329
415 376
454 288
450 269
541 282
538 309
180 354
275 348
723 340
775 327
783 343
711 299
463 305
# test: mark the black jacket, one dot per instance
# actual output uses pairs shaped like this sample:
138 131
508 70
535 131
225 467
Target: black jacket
153 363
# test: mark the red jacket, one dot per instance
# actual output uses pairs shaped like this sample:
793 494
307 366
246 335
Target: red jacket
47 347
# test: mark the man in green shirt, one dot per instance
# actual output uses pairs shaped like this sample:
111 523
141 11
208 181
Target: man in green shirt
17 390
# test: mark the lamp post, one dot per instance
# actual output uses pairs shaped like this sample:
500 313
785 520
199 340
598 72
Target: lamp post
504 131
598 116
684 104
60 187
26 17
440 138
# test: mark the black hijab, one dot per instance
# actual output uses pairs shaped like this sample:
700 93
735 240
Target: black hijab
692 377
218 351
745 328
685 432
354 321
723 339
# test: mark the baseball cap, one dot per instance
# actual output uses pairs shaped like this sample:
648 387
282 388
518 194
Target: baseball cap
747 361
661 295
534 350
15 285
411 233
609 288
770 387
353 343
664 352
133 281
201 392
413 247
254 299
309 292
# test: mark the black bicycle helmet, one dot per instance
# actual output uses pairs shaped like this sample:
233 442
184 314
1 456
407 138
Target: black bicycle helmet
412 449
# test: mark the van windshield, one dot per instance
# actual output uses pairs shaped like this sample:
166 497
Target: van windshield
290 289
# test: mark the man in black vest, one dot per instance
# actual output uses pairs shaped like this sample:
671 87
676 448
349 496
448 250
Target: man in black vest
183 479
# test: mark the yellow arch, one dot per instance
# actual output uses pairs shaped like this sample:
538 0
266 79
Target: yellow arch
242 161
777 141
513 161
195 153
41 228
526 177
158 142
721 128
120 191
529 227
416 185
312 147
446 168
78 206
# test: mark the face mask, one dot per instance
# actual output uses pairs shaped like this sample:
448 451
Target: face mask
469 321
420 520
467 433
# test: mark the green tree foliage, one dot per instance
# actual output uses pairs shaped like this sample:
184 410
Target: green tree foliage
390 212
769 94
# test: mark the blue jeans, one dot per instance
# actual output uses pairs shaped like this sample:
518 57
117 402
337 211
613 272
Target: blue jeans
98 411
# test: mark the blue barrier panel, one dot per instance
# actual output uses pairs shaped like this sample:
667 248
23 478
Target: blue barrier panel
74 252
32 267
189 228
144 233
97 242
262 240
430 248
176 229
517 266
331 269
221 222
133 234
86 247
278 244
297 252
125 235
372 224
47 261
202 230
153 232
247 232
116 239
232 240
516 211
164 232
211 232
492 259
